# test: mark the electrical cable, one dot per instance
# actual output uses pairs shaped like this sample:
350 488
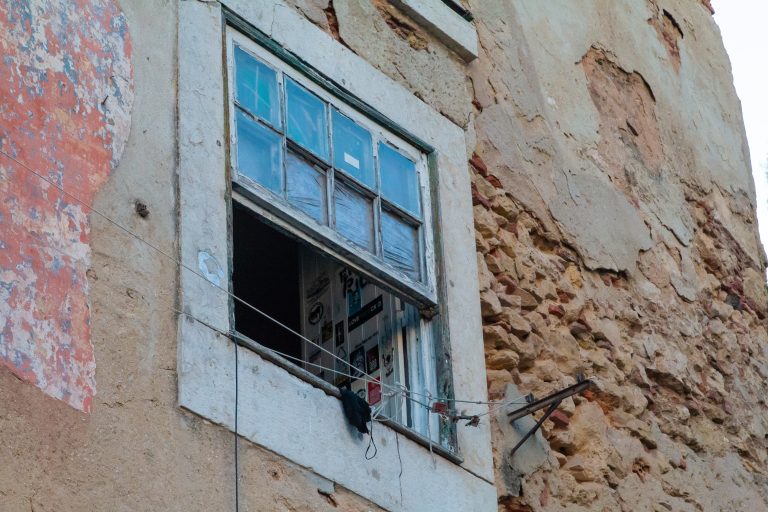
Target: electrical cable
237 432
403 390
181 264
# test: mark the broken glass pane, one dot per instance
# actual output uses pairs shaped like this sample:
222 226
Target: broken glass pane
256 87
307 123
399 181
354 216
401 244
352 149
305 187
259 153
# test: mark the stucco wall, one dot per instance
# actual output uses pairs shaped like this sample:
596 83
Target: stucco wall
616 236
135 449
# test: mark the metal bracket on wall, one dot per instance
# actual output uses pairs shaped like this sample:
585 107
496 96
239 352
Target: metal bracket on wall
459 9
551 401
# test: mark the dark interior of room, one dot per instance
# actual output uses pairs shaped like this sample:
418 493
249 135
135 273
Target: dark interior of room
266 275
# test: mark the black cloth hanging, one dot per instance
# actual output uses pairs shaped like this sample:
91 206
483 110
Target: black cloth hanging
357 410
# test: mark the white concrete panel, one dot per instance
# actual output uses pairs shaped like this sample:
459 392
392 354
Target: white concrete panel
202 174
206 372
300 422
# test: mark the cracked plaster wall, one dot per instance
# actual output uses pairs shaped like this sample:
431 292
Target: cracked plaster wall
616 236
66 94
132 448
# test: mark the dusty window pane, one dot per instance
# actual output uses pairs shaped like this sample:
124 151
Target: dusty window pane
307 123
401 244
256 87
353 149
399 181
305 187
354 216
259 153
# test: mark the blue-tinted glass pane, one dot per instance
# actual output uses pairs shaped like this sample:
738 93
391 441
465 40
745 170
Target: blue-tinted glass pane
307 123
399 181
354 216
401 244
259 153
256 87
305 187
353 149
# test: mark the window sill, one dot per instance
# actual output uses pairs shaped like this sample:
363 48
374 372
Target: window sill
333 391
449 27
229 384
290 416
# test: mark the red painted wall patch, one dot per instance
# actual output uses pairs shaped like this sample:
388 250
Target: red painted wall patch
66 89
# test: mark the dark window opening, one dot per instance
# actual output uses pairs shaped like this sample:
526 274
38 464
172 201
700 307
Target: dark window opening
265 274
357 333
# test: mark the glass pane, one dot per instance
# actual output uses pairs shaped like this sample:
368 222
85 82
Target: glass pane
256 87
399 181
305 187
259 153
401 244
307 123
354 216
353 149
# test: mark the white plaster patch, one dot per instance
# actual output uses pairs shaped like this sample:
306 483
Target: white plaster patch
210 268
451 29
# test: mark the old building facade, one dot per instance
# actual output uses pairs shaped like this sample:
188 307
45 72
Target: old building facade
215 213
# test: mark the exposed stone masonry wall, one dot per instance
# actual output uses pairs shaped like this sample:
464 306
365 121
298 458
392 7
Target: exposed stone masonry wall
616 237
672 329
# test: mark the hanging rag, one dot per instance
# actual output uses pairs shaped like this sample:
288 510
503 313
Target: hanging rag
357 410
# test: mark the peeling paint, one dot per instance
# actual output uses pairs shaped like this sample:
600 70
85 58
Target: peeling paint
210 268
66 89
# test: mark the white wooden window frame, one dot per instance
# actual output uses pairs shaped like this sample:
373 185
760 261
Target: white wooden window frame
270 397
422 292
265 203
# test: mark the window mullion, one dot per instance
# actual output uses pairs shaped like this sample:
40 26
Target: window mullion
283 114
378 246
330 189
330 183
377 202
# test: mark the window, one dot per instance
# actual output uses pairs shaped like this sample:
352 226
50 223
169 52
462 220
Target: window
332 173
329 233
250 392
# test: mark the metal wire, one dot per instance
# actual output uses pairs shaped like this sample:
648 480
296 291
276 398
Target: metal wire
364 376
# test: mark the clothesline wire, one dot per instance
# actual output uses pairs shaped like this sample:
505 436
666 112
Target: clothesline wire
177 261
400 392
398 388
389 395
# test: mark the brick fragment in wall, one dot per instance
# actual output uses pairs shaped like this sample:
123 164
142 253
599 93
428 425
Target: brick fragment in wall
79 52
402 25
669 32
